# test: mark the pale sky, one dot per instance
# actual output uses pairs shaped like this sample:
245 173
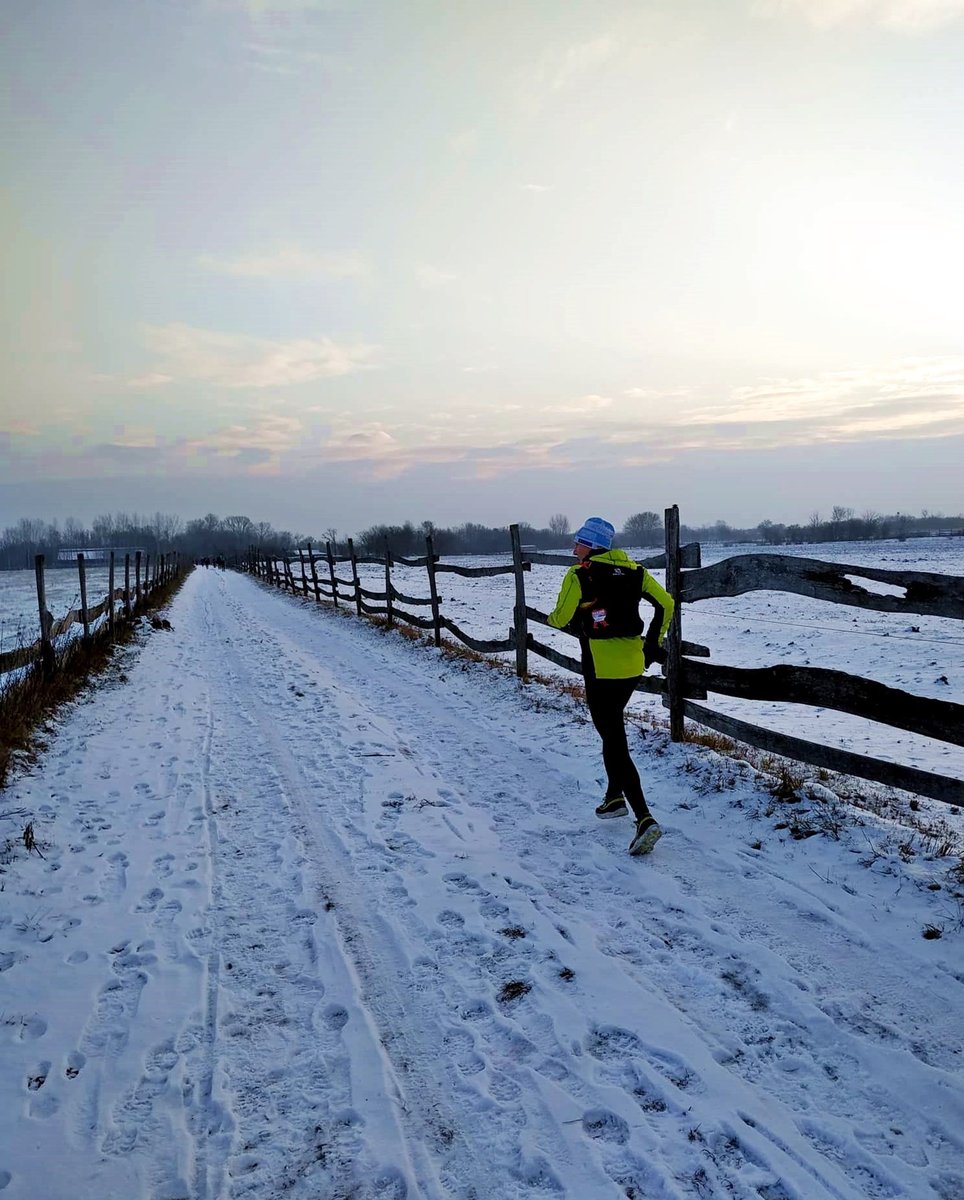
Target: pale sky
334 263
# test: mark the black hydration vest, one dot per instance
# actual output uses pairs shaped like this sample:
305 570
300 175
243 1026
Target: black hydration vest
610 600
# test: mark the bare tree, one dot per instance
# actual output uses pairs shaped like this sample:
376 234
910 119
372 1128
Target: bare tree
559 525
165 527
643 529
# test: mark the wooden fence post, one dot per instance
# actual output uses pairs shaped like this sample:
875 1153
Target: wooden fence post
46 645
388 584
82 576
519 612
304 576
674 657
433 588
137 580
314 574
354 574
110 603
127 586
331 571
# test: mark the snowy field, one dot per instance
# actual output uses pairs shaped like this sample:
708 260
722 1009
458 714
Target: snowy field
324 914
19 611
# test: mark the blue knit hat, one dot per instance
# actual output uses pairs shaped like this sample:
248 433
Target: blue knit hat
595 533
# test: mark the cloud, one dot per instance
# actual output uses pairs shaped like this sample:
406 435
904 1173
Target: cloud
137 438
389 454
290 263
641 393
585 406
911 400
465 143
432 278
264 8
154 379
238 361
903 15
18 428
837 401
562 68
914 400
256 447
368 441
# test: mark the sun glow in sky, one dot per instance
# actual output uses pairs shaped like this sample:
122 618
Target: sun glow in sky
329 263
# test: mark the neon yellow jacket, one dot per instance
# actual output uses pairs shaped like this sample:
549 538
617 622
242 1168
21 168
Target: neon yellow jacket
611 658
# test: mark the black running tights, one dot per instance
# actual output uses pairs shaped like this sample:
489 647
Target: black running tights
607 700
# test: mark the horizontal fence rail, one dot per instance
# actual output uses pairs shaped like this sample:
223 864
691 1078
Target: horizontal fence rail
924 594
862 766
825 688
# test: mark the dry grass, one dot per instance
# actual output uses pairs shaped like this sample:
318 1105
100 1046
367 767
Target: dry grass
28 703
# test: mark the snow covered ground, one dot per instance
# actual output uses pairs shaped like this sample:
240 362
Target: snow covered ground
323 913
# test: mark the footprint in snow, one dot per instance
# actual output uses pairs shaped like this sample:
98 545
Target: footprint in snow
504 1088
336 1017
610 1041
603 1125
149 902
38 1078
462 883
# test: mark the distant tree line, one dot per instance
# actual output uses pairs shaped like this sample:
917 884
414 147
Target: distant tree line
211 535
843 525
161 533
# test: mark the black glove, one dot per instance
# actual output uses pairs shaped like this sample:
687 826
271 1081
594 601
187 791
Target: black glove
653 652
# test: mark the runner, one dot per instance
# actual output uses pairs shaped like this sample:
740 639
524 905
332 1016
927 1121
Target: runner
599 603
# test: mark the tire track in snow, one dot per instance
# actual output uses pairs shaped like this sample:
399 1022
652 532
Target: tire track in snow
207 1121
370 968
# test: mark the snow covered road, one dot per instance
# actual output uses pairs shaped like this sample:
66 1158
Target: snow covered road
324 914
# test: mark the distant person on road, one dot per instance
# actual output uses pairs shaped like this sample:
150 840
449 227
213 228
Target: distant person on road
599 603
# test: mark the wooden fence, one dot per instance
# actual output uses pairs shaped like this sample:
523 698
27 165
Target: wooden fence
686 679
689 680
149 574
338 589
